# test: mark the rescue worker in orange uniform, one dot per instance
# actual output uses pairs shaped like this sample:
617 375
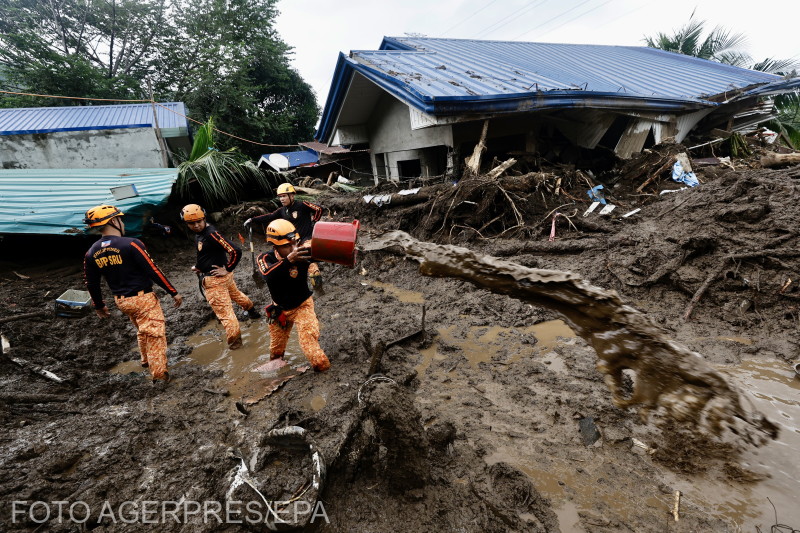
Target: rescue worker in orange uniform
303 215
285 270
129 272
216 259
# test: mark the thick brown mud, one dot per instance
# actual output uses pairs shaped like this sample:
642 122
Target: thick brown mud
483 423
667 375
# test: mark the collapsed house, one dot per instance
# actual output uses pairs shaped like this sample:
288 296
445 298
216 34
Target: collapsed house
96 136
420 104
55 162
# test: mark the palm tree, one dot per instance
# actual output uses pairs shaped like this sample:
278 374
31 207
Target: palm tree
219 175
723 46
787 121
719 45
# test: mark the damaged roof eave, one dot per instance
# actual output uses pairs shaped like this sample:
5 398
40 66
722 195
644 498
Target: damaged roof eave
525 101
482 104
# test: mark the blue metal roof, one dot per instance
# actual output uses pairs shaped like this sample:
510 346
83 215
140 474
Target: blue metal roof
460 76
49 201
16 121
295 159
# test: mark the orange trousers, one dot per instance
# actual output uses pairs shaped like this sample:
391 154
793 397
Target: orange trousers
307 330
220 291
145 312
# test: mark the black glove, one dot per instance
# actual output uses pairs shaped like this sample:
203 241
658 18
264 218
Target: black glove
275 314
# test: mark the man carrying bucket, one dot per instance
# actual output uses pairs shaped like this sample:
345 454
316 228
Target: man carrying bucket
130 272
216 259
285 270
303 215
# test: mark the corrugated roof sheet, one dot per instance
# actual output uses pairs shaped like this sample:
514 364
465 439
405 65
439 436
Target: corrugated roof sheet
462 76
14 121
46 201
281 161
322 148
491 68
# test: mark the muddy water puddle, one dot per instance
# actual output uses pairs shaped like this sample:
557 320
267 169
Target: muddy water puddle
481 344
241 377
775 391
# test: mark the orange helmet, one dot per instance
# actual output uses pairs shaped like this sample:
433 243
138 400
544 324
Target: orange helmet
101 215
281 232
286 188
193 213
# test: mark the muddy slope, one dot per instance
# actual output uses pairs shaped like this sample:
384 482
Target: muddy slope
478 427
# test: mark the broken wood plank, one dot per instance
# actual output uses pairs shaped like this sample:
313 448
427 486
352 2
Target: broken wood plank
499 169
656 174
473 162
36 369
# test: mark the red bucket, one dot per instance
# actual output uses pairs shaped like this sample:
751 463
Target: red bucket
335 242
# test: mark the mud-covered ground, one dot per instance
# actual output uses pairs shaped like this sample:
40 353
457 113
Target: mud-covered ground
478 427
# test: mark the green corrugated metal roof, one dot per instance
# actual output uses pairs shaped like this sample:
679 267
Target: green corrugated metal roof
54 201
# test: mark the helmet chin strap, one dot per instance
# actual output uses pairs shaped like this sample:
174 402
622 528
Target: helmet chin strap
115 226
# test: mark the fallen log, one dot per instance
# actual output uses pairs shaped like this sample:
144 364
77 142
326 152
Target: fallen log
670 379
777 160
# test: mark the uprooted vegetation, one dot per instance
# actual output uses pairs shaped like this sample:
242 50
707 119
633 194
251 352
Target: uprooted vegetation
476 425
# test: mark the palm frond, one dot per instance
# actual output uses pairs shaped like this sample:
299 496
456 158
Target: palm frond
219 175
776 66
203 140
737 59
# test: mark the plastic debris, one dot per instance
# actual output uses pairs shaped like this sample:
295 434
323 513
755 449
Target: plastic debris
607 209
682 171
596 194
409 191
629 213
591 208
667 191
378 200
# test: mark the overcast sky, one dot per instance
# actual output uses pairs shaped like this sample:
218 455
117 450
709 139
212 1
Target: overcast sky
318 30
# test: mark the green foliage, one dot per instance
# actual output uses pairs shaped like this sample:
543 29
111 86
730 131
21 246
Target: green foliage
787 122
737 146
718 45
223 58
219 176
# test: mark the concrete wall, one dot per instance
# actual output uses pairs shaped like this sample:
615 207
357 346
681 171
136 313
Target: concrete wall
390 134
119 148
